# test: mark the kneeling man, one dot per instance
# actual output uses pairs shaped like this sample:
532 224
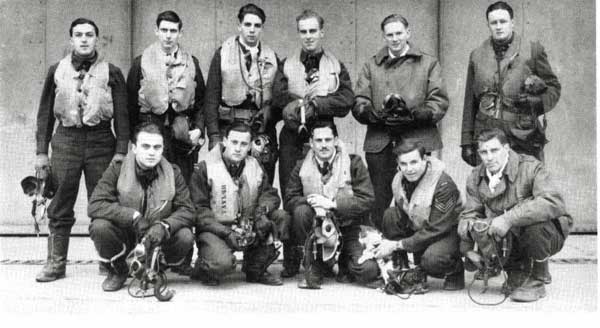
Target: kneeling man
235 207
330 188
515 191
143 197
424 217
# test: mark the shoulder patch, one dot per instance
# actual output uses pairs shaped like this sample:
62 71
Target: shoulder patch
445 201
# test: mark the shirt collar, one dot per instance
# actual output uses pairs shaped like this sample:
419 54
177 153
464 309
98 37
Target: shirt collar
406 49
511 168
383 54
320 162
305 55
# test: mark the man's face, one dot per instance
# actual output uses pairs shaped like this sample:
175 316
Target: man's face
323 143
412 165
168 34
500 24
396 36
311 34
237 144
83 39
148 149
250 29
493 154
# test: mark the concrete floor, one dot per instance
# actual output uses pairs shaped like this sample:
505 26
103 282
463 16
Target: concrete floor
574 271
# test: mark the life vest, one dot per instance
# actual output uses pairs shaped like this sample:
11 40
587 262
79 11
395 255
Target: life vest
228 195
340 182
82 101
159 195
237 82
418 207
166 81
328 82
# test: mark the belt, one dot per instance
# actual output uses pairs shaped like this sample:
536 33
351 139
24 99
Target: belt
503 115
100 126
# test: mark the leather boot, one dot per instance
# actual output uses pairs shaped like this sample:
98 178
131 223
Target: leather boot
266 278
292 256
530 291
117 275
456 280
185 268
541 272
200 273
56 262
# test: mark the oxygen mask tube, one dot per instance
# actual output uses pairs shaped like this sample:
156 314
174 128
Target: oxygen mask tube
147 274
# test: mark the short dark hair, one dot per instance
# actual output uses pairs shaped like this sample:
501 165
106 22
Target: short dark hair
169 16
148 127
251 9
489 134
407 146
500 5
239 127
323 124
394 18
81 21
309 13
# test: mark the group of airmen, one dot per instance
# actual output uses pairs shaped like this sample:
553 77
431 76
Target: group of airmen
146 181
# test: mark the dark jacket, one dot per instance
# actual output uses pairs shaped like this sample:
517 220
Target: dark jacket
46 118
417 78
351 210
195 114
205 218
526 194
104 203
445 208
516 66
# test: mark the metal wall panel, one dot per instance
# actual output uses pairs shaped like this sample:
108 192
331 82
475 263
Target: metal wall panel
571 153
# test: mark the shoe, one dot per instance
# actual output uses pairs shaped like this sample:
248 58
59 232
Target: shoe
292 256
304 284
102 269
515 278
288 273
344 278
541 272
531 291
183 270
114 281
266 279
376 284
56 262
455 281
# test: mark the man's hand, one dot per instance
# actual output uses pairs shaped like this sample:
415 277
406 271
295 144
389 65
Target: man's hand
156 234
42 163
469 154
363 110
213 140
232 239
464 226
386 248
316 200
499 227
263 226
117 158
310 110
195 137
291 113
531 101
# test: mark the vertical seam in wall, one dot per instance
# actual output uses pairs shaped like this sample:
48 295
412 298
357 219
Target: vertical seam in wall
439 56
131 28
45 35
357 66
215 41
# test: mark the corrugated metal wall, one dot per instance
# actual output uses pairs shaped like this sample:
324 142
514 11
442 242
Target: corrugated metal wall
36 35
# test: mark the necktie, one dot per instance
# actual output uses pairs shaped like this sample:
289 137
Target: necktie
325 168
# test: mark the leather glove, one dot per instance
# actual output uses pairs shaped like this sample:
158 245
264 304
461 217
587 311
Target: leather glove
213 140
117 158
469 154
423 115
464 226
310 110
180 128
232 239
530 101
499 227
156 234
364 112
42 165
262 226
291 114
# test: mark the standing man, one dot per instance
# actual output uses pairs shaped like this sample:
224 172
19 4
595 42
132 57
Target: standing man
311 85
166 86
235 209
145 197
424 218
400 96
332 186
84 93
510 85
239 88
515 191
